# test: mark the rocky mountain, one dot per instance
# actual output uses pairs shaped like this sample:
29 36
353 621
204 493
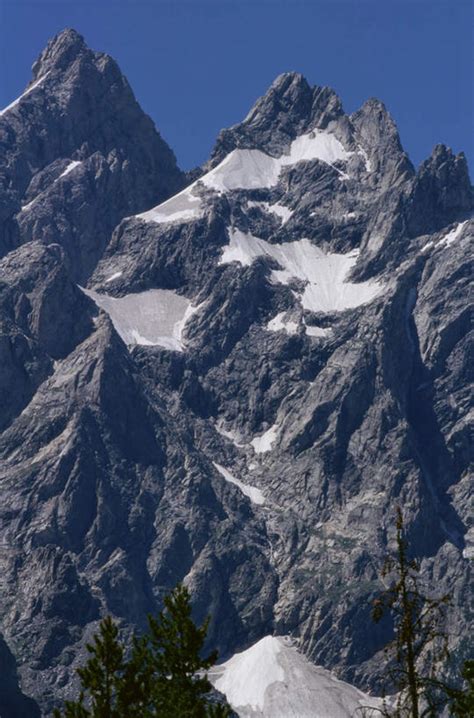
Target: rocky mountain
231 383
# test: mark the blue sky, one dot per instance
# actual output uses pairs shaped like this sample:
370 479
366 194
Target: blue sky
197 66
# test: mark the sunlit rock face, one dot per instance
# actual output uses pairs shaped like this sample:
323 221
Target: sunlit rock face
231 383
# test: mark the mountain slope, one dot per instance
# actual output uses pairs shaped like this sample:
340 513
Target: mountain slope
77 154
257 370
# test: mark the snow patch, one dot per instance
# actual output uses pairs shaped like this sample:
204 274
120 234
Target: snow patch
116 275
254 494
183 207
254 169
454 234
243 169
24 94
448 238
264 443
325 275
230 435
313 331
28 206
278 209
271 679
316 145
247 675
468 552
249 169
281 211
367 162
153 318
69 168
278 324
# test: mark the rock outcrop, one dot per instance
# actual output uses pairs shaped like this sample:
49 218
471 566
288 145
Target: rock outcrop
288 358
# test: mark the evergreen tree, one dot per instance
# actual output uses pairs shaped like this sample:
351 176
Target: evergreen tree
420 649
100 677
462 701
175 644
163 677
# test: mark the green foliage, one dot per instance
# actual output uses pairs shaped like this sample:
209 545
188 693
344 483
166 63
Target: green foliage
163 677
462 701
175 646
420 649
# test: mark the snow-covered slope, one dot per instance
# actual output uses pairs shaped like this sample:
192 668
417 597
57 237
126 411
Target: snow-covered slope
327 288
271 679
155 317
27 92
248 169
257 450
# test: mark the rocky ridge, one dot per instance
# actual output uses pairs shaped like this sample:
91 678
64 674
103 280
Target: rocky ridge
287 358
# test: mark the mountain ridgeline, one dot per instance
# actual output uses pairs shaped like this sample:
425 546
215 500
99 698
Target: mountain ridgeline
230 383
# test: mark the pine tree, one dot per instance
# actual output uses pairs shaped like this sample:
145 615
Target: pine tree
100 677
420 649
176 645
164 675
462 701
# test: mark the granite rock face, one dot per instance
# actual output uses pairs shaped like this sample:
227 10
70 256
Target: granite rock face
77 154
300 365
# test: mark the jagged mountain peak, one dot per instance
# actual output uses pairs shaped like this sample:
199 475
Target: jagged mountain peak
442 154
288 108
59 52
95 138
261 366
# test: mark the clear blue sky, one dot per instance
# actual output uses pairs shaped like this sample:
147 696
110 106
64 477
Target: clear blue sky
197 66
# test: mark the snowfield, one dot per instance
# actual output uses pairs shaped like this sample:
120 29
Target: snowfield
279 323
254 494
183 207
325 275
271 679
264 443
156 317
249 169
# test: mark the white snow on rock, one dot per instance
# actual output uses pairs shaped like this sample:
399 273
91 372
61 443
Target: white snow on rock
27 206
153 318
113 276
316 145
264 443
278 209
230 435
448 239
281 211
468 551
247 675
271 679
24 94
279 323
254 494
243 169
254 169
183 207
325 274
248 169
69 168
454 234
72 165
313 331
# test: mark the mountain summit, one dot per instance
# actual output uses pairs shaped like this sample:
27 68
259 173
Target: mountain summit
230 383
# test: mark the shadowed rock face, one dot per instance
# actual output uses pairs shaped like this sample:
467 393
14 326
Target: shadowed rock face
323 366
13 703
